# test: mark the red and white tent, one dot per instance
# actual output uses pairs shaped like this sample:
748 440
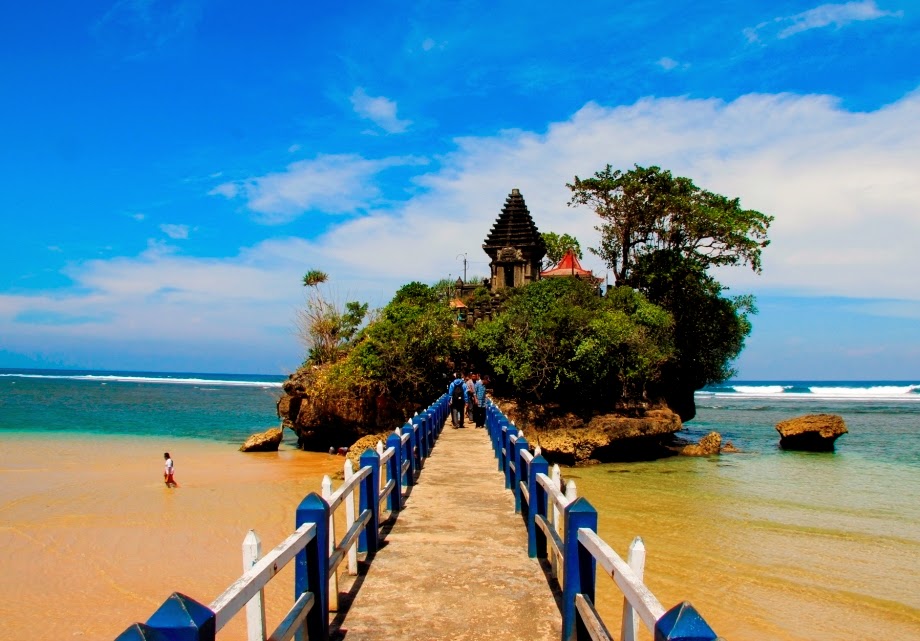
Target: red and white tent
569 266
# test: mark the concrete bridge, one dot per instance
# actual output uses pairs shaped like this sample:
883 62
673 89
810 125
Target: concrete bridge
481 541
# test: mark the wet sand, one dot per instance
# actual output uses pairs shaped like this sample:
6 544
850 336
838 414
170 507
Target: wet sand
90 534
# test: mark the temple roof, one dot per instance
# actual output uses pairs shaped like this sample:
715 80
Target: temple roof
515 228
569 266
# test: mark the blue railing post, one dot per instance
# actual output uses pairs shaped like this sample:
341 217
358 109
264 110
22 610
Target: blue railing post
394 473
180 618
519 474
418 422
683 623
407 429
311 566
500 425
536 537
370 500
432 428
491 423
579 577
508 453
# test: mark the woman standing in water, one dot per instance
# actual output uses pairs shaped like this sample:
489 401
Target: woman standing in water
168 471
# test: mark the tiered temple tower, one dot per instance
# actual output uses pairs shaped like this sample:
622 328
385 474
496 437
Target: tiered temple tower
514 245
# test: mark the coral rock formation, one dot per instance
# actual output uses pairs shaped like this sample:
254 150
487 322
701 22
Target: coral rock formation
812 432
267 441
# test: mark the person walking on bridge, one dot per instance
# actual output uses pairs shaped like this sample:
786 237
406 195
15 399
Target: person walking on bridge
479 411
456 391
469 383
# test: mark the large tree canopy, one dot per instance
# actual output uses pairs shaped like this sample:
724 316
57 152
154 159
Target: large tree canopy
556 340
647 209
660 234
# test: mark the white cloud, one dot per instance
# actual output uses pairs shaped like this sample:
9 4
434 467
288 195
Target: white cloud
825 15
428 44
176 232
294 148
138 216
150 303
380 110
227 190
334 184
667 63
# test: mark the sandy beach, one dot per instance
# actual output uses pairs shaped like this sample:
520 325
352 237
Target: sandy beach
89 531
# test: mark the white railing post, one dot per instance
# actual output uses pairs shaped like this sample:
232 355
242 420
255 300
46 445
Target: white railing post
334 579
636 561
255 609
383 473
570 494
350 520
556 476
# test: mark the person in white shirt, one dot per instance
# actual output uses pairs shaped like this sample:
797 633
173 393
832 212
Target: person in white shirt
168 471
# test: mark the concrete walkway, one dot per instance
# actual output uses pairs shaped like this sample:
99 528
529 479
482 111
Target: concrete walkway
455 564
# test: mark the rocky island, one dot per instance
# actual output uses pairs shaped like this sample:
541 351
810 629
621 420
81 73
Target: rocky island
595 373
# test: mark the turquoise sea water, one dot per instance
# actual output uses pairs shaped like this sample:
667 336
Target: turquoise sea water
883 416
220 407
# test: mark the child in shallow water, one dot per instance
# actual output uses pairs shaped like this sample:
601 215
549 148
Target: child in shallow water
168 471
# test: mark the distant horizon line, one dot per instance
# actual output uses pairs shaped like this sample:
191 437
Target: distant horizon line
915 380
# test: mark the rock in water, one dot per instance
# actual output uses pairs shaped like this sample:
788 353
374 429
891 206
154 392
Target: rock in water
607 437
267 441
708 445
812 432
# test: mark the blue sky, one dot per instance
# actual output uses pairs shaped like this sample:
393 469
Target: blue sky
172 168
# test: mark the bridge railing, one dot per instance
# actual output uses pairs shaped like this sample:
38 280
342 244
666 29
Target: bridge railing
562 528
317 554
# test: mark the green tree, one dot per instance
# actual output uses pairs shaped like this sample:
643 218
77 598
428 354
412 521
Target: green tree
557 246
660 234
645 210
314 277
405 350
324 326
556 340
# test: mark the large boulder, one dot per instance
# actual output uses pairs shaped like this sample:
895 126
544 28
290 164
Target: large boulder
324 415
565 438
812 432
707 446
267 441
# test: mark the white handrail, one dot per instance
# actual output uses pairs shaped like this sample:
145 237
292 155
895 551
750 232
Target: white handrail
294 619
253 580
553 493
349 485
646 604
592 620
553 538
